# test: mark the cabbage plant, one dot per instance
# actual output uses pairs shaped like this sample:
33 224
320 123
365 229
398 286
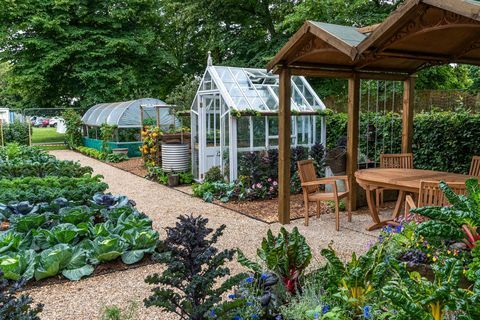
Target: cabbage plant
140 242
110 201
51 261
105 249
16 265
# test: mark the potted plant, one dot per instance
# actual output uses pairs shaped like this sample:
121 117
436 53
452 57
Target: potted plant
173 179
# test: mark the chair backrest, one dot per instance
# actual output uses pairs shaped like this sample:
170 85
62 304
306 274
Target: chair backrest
397 161
430 193
475 167
306 172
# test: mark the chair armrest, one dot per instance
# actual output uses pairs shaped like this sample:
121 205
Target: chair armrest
312 183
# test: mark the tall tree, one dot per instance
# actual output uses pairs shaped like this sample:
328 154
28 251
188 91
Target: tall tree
83 51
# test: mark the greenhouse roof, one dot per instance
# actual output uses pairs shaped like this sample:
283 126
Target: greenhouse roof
256 89
126 114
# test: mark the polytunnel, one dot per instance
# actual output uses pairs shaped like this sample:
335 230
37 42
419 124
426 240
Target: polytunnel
129 118
127 114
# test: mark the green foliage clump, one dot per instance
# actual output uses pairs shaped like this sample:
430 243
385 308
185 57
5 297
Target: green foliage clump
460 221
106 135
442 141
46 189
116 157
73 125
91 152
15 132
13 304
214 174
287 254
115 313
193 269
52 167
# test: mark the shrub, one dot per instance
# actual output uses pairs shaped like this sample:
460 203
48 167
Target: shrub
193 267
14 306
116 157
106 134
73 124
214 174
442 141
16 132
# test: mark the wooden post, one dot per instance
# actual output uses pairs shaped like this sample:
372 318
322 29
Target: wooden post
407 115
284 132
29 131
352 136
1 131
157 109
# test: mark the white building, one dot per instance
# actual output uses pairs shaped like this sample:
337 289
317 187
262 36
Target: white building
235 110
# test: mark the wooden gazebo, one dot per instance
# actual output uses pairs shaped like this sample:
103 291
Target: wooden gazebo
419 34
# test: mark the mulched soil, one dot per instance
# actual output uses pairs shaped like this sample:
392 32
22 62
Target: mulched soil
267 210
132 165
262 210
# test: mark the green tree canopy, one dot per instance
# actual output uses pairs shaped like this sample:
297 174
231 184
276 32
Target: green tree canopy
83 51
80 52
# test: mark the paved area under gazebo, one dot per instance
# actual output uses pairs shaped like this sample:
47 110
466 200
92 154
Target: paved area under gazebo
86 298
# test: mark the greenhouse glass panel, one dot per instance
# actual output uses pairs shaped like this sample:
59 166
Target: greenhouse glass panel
243 132
226 130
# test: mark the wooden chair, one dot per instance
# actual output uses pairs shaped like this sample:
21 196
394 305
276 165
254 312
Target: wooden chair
398 161
430 194
475 167
312 193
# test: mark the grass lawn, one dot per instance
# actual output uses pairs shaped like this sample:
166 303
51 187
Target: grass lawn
46 135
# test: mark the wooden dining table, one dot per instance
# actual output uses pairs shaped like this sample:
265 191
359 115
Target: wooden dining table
403 180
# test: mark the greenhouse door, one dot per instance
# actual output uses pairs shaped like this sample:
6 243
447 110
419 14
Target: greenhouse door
209 132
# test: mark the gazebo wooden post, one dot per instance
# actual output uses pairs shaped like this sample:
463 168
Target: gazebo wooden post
407 115
284 132
352 135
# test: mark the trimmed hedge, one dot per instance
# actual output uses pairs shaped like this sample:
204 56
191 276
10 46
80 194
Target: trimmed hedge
444 141
16 132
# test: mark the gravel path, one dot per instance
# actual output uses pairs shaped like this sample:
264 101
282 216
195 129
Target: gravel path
87 298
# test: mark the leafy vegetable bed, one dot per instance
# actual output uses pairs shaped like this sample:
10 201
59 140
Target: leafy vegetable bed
37 190
62 238
63 225
51 167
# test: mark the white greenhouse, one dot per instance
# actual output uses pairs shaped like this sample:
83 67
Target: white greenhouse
235 110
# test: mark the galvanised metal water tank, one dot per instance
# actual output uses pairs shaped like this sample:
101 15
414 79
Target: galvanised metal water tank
175 157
